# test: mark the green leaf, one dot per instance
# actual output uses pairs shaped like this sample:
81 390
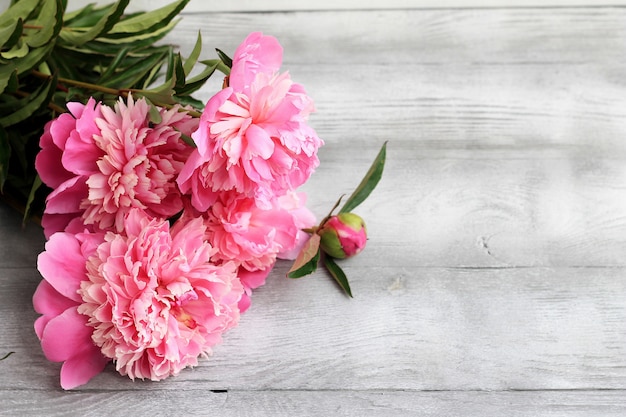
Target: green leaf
187 139
111 46
85 17
110 17
131 75
221 67
152 76
189 101
154 115
190 62
162 95
179 72
368 183
10 32
5 156
26 63
29 105
337 273
147 22
17 142
224 58
18 50
307 259
31 197
50 20
20 10
196 82
11 84
115 63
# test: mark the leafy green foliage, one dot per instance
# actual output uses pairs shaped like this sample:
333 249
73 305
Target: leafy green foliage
49 57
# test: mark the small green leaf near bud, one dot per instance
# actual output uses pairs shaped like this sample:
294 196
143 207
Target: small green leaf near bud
307 259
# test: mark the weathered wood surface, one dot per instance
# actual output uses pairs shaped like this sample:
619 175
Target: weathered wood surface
288 5
494 282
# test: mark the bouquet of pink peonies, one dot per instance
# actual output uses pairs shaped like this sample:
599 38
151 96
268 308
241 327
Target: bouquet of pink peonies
161 215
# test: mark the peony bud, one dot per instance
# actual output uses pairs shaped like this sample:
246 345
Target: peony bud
343 235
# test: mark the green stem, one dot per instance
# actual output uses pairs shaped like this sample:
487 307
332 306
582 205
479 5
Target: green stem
81 84
329 215
106 90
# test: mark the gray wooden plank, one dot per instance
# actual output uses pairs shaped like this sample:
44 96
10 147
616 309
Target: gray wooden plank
196 6
20 243
406 329
564 36
485 211
194 401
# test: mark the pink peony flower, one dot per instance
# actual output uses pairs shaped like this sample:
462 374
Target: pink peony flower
101 162
253 137
64 334
155 299
251 236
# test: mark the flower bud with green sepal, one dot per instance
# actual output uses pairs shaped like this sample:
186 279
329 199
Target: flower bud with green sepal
343 235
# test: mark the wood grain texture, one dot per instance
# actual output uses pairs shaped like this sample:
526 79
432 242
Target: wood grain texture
494 278
199 6
318 403
407 328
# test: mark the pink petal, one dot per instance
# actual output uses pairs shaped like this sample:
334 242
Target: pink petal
68 196
189 238
40 325
50 302
262 167
48 165
256 54
81 154
184 177
253 279
201 136
80 368
259 142
292 253
85 123
76 108
66 336
61 128
53 223
244 303
63 265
